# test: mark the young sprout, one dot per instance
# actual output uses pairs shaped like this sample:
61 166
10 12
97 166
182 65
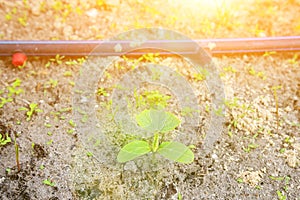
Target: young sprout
158 122
33 108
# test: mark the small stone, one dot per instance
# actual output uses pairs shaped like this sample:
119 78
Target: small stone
130 166
291 158
93 13
251 178
214 156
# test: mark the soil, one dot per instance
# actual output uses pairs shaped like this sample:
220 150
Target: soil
68 148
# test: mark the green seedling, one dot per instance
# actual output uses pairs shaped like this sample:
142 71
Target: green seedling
33 108
9 15
151 57
13 90
51 83
49 142
102 92
240 180
286 179
23 20
158 122
77 61
68 73
201 76
4 140
228 69
179 197
89 154
72 123
293 61
4 101
269 53
49 182
57 60
250 147
259 74
48 125
281 195
8 170
151 98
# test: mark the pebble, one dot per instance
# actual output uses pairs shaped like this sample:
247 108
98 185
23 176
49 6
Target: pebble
214 156
93 13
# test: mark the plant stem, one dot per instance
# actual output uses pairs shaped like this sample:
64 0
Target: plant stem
17 153
17 156
155 142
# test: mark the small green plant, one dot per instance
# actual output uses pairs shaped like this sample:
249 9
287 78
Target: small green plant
240 180
286 180
250 147
5 101
259 74
102 92
151 98
57 60
23 20
12 91
33 108
4 139
51 83
151 57
160 123
77 61
281 195
269 53
293 61
228 69
179 197
201 76
49 182
13 88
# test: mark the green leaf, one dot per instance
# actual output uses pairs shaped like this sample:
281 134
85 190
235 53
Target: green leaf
176 151
155 120
133 150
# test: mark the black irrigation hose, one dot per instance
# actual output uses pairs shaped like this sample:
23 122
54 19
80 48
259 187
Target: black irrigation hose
227 46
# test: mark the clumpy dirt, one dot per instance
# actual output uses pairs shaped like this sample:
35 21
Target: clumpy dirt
256 157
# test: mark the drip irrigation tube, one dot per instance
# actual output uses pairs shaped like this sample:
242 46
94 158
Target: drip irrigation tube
226 46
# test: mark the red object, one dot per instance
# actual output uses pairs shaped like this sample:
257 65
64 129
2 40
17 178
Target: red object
18 59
